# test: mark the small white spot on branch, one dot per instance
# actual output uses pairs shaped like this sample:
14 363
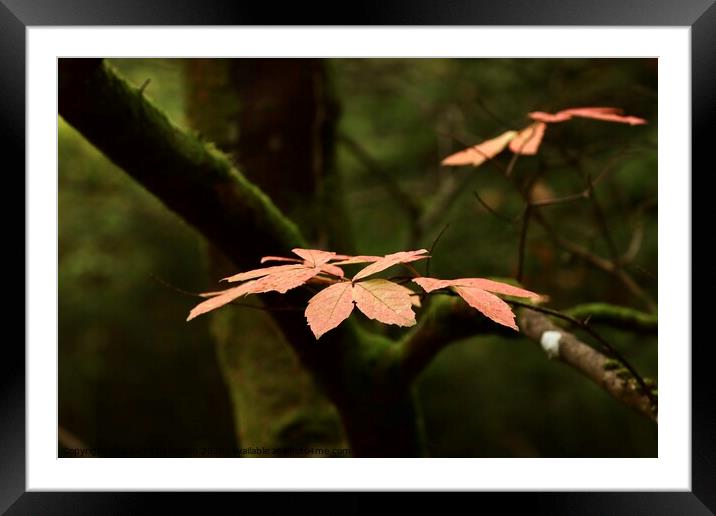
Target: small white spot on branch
550 343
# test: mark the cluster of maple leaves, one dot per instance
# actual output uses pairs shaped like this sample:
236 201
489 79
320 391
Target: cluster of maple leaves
528 140
382 299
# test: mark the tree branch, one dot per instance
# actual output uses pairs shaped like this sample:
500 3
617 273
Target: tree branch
190 176
589 362
449 319
596 261
201 185
446 320
405 201
616 316
609 266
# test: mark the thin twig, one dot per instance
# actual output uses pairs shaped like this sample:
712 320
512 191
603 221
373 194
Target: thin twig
512 163
601 220
443 199
504 123
391 185
492 211
432 247
235 303
174 287
516 155
523 242
560 200
634 244
611 165
638 234
412 269
591 258
596 261
144 85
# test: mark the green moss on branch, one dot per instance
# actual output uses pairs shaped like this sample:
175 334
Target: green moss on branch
190 176
616 316
202 186
446 320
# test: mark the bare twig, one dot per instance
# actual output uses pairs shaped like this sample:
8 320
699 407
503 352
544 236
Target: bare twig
492 211
512 164
516 155
601 220
489 112
432 247
591 258
638 233
634 244
596 261
523 242
445 197
560 200
144 85
235 303
391 185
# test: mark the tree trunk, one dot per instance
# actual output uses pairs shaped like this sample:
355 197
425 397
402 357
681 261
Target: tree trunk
267 113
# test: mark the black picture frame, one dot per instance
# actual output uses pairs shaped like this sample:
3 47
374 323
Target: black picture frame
17 15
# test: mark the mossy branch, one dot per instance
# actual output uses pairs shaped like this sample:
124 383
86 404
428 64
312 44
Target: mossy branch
449 319
202 186
616 316
446 320
567 348
190 176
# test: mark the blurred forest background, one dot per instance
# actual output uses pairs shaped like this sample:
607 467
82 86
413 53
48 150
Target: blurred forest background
134 375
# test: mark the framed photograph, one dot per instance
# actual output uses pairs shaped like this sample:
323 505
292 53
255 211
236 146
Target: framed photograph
430 247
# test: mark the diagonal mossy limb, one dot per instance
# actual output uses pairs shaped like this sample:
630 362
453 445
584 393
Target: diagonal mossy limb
202 186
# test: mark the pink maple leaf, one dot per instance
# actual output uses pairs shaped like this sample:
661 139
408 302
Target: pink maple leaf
528 140
329 308
378 299
350 260
219 299
606 114
312 260
278 278
478 154
541 116
384 301
477 293
389 260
